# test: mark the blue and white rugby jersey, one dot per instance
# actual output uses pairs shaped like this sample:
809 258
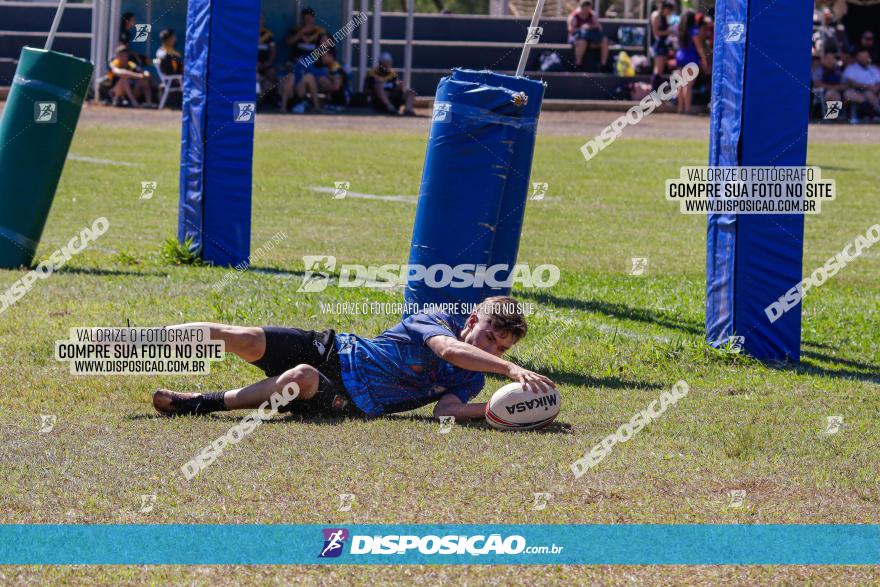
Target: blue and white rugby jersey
396 371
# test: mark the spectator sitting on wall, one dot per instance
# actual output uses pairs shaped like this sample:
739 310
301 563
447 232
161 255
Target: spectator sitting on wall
305 38
661 32
324 76
828 79
266 53
863 81
168 59
585 32
690 50
332 81
128 80
866 43
387 91
291 87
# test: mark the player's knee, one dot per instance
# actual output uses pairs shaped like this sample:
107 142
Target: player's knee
303 377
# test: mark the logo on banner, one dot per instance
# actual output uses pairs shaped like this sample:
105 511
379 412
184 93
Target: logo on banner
148 189
244 111
736 343
334 540
141 32
442 112
534 35
341 189
317 277
47 423
735 32
539 189
45 112
639 266
832 109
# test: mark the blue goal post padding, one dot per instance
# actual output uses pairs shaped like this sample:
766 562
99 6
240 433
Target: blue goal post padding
760 113
474 183
217 138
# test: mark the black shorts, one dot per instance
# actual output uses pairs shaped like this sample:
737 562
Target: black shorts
288 347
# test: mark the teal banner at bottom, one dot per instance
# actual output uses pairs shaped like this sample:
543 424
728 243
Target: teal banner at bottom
622 544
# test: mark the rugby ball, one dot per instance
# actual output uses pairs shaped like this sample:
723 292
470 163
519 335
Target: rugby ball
514 408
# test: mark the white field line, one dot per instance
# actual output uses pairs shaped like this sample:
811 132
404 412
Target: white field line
85 159
350 194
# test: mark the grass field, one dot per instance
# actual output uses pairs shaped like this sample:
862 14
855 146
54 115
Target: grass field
612 341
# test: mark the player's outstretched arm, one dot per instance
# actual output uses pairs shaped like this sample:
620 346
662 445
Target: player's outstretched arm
450 405
467 356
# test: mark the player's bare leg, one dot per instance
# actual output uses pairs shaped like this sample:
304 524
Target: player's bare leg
301 383
248 342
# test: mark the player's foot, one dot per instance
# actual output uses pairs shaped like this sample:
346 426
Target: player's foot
175 403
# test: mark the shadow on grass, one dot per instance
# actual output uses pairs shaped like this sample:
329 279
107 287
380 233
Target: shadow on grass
583 380
555 427
849 369
110 272
277 271
822 357
238 415
615 310
325 420
810 367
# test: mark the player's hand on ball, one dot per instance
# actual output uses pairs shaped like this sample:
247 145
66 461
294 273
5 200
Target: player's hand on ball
530 380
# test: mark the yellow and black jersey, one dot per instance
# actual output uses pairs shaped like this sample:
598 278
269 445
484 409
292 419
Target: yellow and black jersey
116 63
308 42
169 61
386 75
265 45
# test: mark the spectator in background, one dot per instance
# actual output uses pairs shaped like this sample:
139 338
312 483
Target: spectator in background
829 36
168 59
866 43
690 50
387 91
324 77
126 28
660 48
266 54
828 79
585 32
708 25
332 81
305 38
863 84
128 80
127 33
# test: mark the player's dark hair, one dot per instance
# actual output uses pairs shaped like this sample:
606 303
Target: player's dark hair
166 34
505 314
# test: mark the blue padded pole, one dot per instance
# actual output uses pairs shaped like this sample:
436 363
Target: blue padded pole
760 103
475 181
217 136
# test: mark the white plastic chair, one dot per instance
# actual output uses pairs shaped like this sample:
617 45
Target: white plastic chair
167 83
